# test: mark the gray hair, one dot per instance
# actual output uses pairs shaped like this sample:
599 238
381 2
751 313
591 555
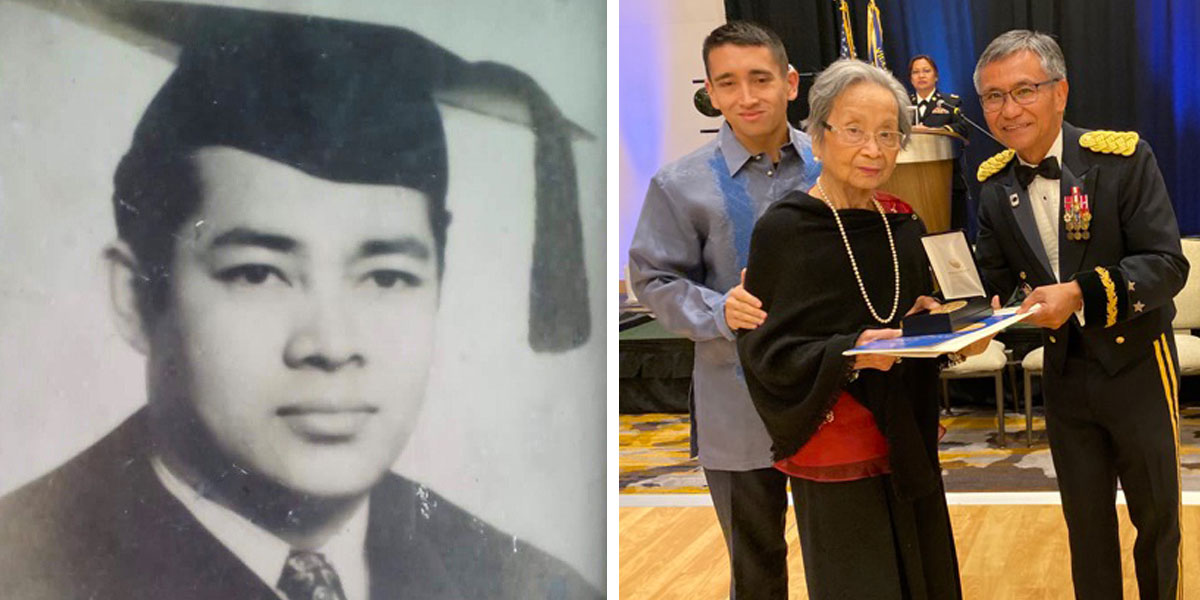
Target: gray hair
842 74
1017 40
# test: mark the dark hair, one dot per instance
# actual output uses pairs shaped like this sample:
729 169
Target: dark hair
927 58
317 99
745 33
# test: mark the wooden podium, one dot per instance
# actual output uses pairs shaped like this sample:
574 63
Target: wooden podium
922 175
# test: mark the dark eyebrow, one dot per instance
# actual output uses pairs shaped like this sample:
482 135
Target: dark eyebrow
241 236
405 245
1021 83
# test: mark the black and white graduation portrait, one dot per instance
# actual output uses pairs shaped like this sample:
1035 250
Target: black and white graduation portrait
302 300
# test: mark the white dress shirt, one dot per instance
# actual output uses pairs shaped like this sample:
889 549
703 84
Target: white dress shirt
1046 197
928 100
262 552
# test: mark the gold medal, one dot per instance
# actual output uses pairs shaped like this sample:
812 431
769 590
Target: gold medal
1085 214
1077 215
948 307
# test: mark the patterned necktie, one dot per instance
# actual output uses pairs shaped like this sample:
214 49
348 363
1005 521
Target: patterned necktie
1048 168
308 576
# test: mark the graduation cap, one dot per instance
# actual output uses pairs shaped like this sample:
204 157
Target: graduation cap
347 102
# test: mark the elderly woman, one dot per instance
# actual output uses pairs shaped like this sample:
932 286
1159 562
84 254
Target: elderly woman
835 267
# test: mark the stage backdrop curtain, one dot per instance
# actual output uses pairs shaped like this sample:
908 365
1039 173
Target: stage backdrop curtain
1131 65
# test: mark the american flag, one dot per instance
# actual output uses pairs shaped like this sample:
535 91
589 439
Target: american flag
846 33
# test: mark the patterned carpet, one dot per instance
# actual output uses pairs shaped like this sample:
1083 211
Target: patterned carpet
654 454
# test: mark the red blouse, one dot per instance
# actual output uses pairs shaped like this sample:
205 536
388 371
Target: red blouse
848 445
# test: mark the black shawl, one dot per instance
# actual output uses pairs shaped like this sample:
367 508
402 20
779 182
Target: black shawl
793 362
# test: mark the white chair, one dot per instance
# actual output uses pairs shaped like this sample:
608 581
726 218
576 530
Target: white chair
1187 317
989 363
1187 313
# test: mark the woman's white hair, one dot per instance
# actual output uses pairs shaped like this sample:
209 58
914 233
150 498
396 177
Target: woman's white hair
842 74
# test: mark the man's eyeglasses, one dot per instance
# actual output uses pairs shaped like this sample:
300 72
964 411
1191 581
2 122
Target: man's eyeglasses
855 136
993 101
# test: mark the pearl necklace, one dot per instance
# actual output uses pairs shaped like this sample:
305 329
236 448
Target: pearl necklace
854 265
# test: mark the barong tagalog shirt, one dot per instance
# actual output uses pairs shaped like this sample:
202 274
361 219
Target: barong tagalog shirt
691 243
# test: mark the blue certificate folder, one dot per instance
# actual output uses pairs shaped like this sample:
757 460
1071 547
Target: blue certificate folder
920 346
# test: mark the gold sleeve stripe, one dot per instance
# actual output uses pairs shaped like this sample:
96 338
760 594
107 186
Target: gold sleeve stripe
1110 293
1110 142
1162 352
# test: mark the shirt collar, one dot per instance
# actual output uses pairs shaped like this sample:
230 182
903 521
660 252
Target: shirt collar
932 93
736 154
1055 150
262 552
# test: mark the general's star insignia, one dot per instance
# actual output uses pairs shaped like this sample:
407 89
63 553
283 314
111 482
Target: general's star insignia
1138 306
1131 286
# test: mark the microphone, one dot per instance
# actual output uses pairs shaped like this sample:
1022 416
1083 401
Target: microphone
954 109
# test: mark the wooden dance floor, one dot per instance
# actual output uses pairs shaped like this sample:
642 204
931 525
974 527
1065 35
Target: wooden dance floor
1016 552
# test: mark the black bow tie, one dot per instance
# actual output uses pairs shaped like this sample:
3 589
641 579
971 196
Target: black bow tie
1048 168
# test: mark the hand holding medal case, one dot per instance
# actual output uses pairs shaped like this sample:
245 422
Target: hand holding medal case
966 302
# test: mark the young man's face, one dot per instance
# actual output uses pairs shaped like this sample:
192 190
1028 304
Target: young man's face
751 90
297 336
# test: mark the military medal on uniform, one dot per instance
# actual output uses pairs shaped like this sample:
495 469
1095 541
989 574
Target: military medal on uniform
1077 215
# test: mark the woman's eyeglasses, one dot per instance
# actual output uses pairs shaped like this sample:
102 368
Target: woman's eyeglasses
856 136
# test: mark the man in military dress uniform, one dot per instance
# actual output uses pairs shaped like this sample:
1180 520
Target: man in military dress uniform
1081 221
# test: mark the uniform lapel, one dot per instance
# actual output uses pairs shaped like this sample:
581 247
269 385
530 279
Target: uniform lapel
1074 174
1017 200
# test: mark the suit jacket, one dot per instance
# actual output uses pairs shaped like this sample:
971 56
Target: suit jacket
1129 269
102 526
940 117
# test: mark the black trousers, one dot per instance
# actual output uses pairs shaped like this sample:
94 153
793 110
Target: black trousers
752 508
861 541
1104 429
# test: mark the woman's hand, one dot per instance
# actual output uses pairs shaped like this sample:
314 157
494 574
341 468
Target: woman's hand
881 362
923 303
